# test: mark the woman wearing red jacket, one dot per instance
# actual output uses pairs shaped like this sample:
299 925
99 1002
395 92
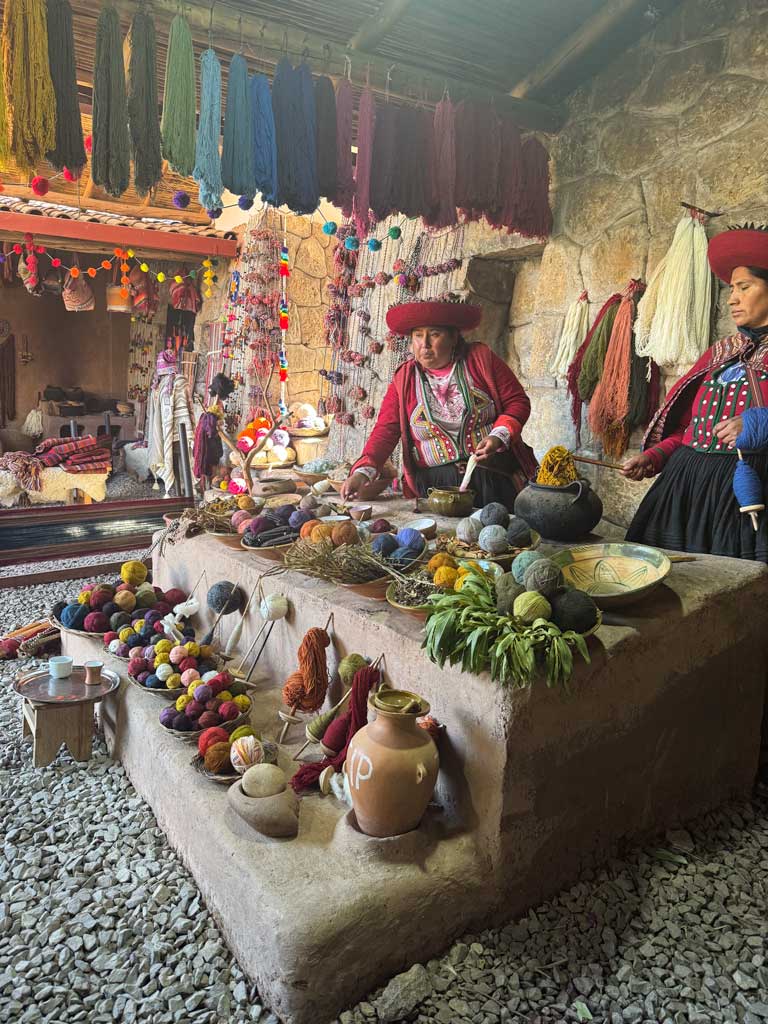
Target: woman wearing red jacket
452 399
719 406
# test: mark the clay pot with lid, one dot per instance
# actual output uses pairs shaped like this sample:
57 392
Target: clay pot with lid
392 765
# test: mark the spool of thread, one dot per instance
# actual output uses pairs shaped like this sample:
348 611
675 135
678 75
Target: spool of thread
748 489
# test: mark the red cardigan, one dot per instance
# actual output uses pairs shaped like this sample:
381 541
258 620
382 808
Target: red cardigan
488 372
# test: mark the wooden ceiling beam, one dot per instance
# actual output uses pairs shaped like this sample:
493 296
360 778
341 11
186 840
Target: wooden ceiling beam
373 30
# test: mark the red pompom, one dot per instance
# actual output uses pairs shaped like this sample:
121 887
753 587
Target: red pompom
40 249
40 185
88 143
18 248
70 175
56 262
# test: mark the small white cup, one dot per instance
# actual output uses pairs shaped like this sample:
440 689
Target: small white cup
93 672
60 667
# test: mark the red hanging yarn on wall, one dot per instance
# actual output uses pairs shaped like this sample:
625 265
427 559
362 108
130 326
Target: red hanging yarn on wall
610 403
574 369
366 128
345 182
306 688
535 215
511 179
443 164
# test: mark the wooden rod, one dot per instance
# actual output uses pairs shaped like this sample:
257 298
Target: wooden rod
597 462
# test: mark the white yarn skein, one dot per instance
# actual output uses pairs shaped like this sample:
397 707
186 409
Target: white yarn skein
574 332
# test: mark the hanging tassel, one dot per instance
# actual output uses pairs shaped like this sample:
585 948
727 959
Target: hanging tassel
384 162
572 335
177 126
68 150
535 214
237 150
207 172
29 96
111 160
325 116
263 134
443 160
574 370
345 184
366 128
511 183
674 317
142 104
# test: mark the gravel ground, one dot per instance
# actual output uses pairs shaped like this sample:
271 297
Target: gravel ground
25 568
99 921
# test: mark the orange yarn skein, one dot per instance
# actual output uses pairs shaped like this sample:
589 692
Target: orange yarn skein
305 689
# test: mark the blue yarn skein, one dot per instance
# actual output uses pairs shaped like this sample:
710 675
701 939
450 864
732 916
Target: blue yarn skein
207 172
237 149
264 146
754 430
747 485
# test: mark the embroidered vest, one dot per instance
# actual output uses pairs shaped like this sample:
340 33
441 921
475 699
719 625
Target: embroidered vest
434 446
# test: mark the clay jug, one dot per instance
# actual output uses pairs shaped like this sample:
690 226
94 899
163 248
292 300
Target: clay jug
560 513
392 765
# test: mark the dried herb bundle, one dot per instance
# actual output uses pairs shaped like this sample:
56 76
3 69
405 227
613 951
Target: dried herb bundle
355 563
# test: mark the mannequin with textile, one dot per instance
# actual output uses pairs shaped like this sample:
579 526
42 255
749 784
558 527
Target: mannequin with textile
169 405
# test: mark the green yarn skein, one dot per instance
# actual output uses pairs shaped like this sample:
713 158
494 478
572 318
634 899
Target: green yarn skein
350 666
531 606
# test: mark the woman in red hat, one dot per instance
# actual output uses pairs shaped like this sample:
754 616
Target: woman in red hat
451 400
691 442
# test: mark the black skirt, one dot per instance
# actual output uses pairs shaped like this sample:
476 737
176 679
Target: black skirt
487 485
691 507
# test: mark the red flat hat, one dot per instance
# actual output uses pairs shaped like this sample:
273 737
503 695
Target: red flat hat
407 316
742 247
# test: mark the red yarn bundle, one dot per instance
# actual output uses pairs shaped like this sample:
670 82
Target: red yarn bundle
385 158
345 182
443 164
478 156
353 720
305 689
508 212
411 167
535 215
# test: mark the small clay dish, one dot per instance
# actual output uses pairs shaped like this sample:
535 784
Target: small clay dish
361 513
426 527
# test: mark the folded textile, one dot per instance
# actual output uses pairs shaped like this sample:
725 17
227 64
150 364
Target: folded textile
89 467
62 446
89 453
25 469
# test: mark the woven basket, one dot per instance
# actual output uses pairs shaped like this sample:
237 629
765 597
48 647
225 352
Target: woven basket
75 632
198 764
191 737
166 694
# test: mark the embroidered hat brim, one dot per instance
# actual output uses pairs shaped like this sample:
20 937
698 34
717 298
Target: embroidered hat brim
737 248
407 316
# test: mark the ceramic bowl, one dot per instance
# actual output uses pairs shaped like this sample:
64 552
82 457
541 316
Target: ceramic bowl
613 574
426 527
418 611
335 519
361 513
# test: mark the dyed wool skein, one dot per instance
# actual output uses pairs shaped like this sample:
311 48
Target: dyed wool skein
306 688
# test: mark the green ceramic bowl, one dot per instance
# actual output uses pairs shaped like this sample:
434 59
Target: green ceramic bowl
613 575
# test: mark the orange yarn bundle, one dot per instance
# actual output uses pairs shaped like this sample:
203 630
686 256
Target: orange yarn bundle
305 689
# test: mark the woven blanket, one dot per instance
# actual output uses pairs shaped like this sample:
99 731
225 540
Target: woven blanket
25 469
53 451
88 467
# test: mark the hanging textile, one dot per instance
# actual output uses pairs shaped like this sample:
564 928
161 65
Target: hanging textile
574 332
237 149
443 161
574 370
7 380
177 126
384 162
110 160
674 316
366 128
293 104
142 104
508 212
345 183
69 150
263 135
535 214
478 157
29 98
325 118
207 172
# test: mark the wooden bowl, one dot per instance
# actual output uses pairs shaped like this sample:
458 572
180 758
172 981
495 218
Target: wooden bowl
377 589
361 513
614 575
309 478
418 611
272 554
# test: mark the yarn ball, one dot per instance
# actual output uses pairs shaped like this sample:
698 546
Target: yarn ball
446 577
203 693
573 609
241 516
208 719
345 533
151 617
225 695
543 576
167 716
133 573
134 641
299 518
126 633
468 530
99 598
216 757
240 731
322 532
84 597
125 600
162 609
494 514
159 628
163 659
210 736
213 704
178 654
493 539
507 592
380 526
146 597
142 678
309 502
122 650
163 645
521 563
109 636
384 544
96 622
335 736
190 676
262 780
119 621
409 538
273 607
113 646
374 244
208 676
110 608
193 649
350 666
323 510
306 530
173 682
242 702
193 710
245 202
259 524
180 199
244 752
40 185
125 586
229 710
57 609
182 701
227 596
136 666
151 681
183 724
403 556
74 616
281 438
163 672
187 664
531 606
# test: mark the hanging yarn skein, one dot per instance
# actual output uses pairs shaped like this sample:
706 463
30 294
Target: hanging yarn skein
574 370
511 179
293 105
535 219
177 126
345 182
574 332
384 163
443 161
207 172
111 154
366 128
142 104
263 135
478 156
594 357
306 688
29 97
325 117
409 184
237 149
69 150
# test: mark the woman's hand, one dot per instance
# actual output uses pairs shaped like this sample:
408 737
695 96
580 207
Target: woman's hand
352 486
727 431
639 467
488 447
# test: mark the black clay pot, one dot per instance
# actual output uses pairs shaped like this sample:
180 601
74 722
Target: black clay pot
560 513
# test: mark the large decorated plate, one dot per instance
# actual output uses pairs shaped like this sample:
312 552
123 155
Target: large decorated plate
613 574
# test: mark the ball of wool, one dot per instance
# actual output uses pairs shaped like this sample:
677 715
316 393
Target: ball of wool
384 544
259 524
138 625
193 650
245 752
494 514
210 736
173 682
110 608
167 716
125 600
573 609
182 701
183 724
281 438
403 556
323 510
162 659
84 597
142 678
190 676
151 617
136 666
305 533
162 608
409 538
322 532
96 622
148 652
57 609
238 517
284 513
507 592
206 651
349 666
446 577
163 646
216 684
531 606
240 731
174 596
159 628
242 528
137 616
208 676
226 596
208 719
119 620
380 526
518 533
438 561
74 615
178 654
216 757
158 592
308 502
225 695
203 693
229 711
109 636
493 539
543 576
146 598
193 710
134 573
345 533
298 518
113 646
204 667
122 650
468 530
124 586
134 641
188 663
99 598
521 563
273 607
213 704
163 672
262 780
152 682
245 501
242 702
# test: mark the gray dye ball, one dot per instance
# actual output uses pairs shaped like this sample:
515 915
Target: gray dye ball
506 592
543 576
227 596
518 533
494 514
572 609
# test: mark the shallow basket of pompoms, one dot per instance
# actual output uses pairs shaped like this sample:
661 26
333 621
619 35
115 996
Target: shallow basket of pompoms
489 533
205 705
225 753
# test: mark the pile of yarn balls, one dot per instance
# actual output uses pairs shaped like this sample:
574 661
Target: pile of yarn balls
494 530
207 702
401 548
165 664
534 590
222 751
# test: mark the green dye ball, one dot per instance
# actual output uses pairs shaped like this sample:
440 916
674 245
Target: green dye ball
543 576
493 539
521 563
518 533
350 666
573 609
494 514
507 591
531 606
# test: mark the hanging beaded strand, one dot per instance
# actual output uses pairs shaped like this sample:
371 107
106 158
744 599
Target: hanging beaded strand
284 323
